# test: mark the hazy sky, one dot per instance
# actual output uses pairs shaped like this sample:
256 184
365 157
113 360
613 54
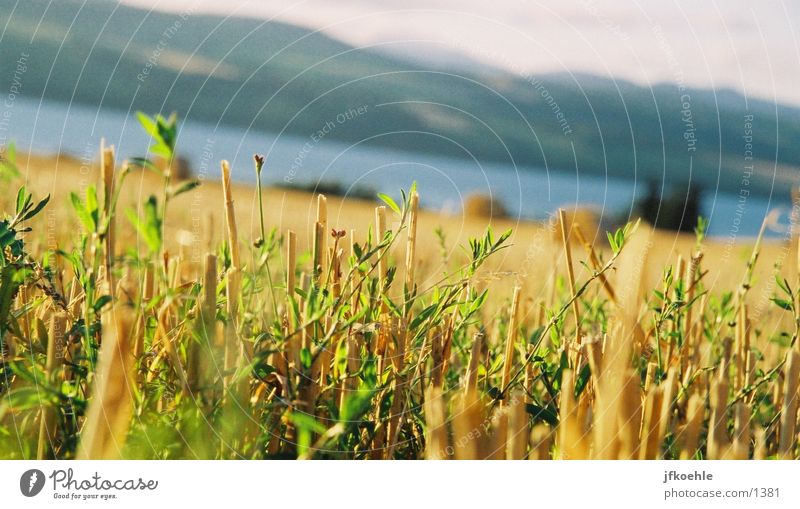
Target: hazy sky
752 47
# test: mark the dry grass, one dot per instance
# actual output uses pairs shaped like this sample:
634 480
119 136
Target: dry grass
237 337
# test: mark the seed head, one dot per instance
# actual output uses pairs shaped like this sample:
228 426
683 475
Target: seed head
259 159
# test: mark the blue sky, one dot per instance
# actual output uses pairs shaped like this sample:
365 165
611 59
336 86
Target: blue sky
751 47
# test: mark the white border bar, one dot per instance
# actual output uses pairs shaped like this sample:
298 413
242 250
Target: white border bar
387 485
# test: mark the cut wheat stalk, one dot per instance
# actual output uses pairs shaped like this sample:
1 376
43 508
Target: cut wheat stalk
690 435
467 431
399 386
200 353
670 387
322 248
629 421
232 343
53 362
107 165
595 262
760 451
690 285
673 325
718 434
209 303
471 379
650 376
511 337
318 252
565 235
725 361
742 346
380 233
109 413
788 419
148 292
291 265
383 268
164 330
541 442
336 272
354 286
571 441
411 242
740 448
518 429
230 216
650 448
435 429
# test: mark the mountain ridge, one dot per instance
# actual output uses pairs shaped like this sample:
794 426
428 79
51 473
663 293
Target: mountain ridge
277 77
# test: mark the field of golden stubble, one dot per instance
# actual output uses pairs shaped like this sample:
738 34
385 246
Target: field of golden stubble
368 359
197 223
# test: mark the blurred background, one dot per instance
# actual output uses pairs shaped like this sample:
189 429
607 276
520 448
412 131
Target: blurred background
664 109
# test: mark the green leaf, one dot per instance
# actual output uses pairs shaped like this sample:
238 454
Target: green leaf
91 203
83 215
390 202
305 358
147 124
612 242
22 199
149 228
38 208
7 236
539 413
25 398
184 187
357 251
146 164
783 284
423 315
355 405
100 303
392 306
161 150
536 336
785 304
583 379
307 422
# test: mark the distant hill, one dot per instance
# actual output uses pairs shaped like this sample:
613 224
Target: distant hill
277 77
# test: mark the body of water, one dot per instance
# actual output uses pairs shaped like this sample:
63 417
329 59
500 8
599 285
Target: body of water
52 127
